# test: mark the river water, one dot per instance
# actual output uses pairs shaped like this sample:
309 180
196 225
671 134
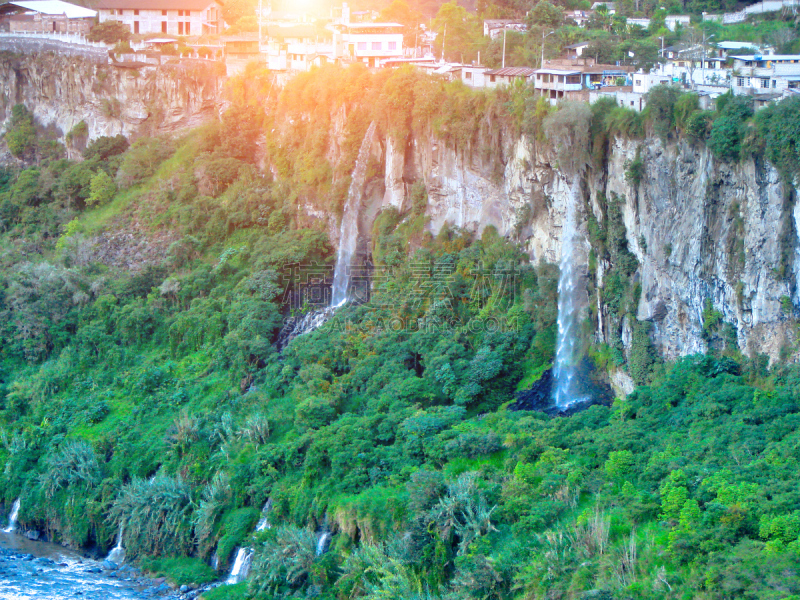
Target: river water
44 571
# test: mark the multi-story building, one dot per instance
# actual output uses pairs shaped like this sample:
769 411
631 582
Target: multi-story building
52 16
370 43
173 17
755 74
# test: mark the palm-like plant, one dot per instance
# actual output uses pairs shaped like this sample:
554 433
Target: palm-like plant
75 464
156 515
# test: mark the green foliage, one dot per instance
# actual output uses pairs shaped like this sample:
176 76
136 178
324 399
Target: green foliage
101 189
155 515
110 32
661 108
21 134
180 571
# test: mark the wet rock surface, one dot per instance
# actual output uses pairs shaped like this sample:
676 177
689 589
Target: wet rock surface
44 571
590 391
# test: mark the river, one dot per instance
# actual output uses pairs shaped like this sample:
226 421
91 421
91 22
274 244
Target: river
45 571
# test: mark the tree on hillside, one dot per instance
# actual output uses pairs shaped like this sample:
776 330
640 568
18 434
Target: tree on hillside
546 15
400 12
459 32
233 10
110 32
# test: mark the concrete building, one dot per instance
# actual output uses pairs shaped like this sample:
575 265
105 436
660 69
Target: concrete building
370 43
494 28
576 50
297 47
174 17
581 17
51 16
757 75
507 76
672 21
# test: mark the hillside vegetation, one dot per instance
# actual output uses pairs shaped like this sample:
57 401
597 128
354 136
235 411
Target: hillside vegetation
140 384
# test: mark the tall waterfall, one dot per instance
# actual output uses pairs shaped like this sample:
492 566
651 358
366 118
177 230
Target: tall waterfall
348 233
12 518
117 554
564 392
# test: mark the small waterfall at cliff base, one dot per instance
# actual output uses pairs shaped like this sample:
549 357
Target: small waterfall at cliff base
323 542
117 554
348 241
564 388
244 555
12 518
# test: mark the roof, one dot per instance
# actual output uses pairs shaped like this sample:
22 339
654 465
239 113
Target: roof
499 22
512 72
556 72
292 31
55 7
161 41
772 57
368 25
578 45
729 45
157 4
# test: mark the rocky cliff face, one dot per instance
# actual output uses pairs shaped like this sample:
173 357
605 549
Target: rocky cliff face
701 229
63 90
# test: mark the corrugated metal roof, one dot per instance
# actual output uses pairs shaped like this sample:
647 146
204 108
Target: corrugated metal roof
556 72
56 7
512 72
156 4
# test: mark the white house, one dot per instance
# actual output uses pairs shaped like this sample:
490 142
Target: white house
672 21
576 49
174 17
370 43
642 82
755 74
493 28
45 16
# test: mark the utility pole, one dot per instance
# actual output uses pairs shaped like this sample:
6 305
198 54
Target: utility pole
541 65
504 47
444 39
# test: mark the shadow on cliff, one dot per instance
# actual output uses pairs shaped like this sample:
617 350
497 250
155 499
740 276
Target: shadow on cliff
591 385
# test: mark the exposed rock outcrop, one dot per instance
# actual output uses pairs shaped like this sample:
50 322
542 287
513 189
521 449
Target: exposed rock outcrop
701 229
63 90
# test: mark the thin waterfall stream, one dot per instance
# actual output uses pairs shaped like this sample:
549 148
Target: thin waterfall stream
12 518
348 242
564 390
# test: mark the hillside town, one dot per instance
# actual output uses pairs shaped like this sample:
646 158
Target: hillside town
287 43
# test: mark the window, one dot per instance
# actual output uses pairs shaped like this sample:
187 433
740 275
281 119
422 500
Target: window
765 83
180 13
136 12
631 102
638 82
492 78
774 83
467 75
163 27
136 27
180 28
188 28
376 45
163 13
392 45
740 81
362 45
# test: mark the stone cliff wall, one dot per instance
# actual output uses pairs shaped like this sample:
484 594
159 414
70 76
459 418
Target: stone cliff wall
701 229
63 90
